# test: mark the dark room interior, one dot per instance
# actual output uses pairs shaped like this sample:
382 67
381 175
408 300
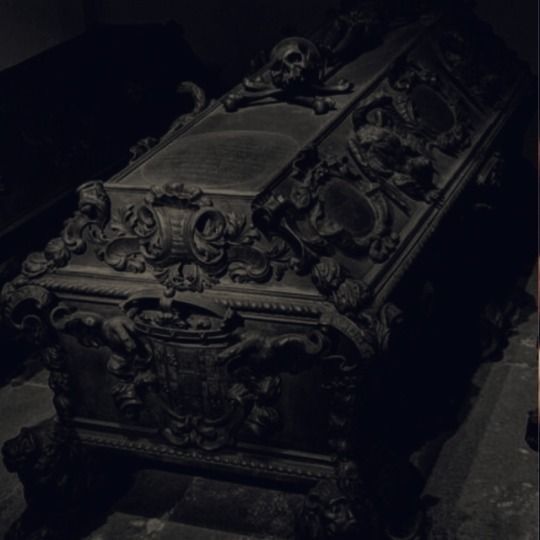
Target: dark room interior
268 270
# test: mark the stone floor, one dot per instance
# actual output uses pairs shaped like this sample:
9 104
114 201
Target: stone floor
486 476
484 484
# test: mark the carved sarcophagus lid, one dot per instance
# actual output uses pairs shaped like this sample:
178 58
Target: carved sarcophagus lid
218 302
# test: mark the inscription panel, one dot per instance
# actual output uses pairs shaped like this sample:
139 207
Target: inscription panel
240 161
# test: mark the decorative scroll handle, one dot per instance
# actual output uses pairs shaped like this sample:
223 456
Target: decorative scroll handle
199 103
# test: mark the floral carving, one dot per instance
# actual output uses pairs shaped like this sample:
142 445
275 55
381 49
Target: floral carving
342 507
324 208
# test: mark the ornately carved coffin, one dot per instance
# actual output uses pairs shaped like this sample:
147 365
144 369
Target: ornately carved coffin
218 303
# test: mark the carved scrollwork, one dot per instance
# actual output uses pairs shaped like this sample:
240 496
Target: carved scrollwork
86 226
296 74
186 242
326 207
175 232
396 132
198 396
430 107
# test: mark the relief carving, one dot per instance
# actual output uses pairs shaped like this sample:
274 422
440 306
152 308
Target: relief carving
57 475
176 233
351 33
185 241
198 396
296 74
396 132
430 107
347 294
390 154
85 227
326 207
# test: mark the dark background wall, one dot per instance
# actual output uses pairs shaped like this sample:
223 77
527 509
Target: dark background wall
28 27
225 33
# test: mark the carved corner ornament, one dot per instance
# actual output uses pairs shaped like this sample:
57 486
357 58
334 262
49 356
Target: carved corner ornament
296 74
85 227
28 309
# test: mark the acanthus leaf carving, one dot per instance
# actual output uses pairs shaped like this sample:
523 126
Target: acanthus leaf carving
85 226
348 295
176 233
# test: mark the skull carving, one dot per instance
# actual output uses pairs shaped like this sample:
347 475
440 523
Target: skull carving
295 62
